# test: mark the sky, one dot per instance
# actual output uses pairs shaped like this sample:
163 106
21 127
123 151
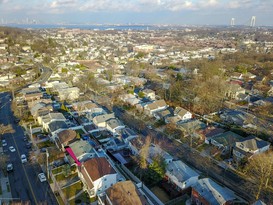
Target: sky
181 12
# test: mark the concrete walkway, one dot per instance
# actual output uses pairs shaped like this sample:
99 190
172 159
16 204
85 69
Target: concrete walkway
5 195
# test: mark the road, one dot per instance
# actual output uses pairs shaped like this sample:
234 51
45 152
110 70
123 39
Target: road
24 182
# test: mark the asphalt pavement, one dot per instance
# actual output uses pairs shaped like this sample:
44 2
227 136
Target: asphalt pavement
23 180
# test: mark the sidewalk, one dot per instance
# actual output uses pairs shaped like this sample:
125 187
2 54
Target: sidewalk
5 194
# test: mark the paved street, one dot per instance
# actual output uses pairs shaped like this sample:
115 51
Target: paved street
23 180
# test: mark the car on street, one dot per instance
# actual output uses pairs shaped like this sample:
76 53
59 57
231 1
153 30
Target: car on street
9 167
28 145
25 139
42 177
12 149
4 143
23 158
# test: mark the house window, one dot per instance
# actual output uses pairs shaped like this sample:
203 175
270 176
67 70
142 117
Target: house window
105 186
105 179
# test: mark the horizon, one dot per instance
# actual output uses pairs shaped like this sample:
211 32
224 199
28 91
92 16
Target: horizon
140 12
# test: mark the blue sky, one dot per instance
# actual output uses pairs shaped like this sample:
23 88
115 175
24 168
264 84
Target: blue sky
200 12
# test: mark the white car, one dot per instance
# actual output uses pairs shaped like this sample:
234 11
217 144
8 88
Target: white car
4 143
42 177
9 167
23 158
12 149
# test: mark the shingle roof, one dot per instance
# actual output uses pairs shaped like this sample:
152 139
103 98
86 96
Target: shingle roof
66 135
125 193
98 167
213 192
252 143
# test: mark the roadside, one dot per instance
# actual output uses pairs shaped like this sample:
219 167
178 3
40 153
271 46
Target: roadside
5 193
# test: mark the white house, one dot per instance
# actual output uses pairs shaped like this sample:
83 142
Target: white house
155 106
248 147
114 125
100 120
181 175
97 175
182 113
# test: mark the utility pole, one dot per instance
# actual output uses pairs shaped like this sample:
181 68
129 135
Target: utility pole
47 169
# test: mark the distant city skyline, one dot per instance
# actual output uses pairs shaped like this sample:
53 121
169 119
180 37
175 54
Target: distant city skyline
178 12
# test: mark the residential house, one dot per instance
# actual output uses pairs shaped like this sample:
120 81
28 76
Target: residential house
226 140
72 93
206 191
192 127
248 147
100 120
97 175
130 99
163 114
123 193
82 150
180 175
149 94
235 91
33 96
155 106
40 109
182 113
127 134
210 132
114 124
64 138
49 118
155 150
83 106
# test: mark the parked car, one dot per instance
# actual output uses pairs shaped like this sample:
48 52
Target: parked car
4 143
12 149
28 145
23 158
9 167
42 177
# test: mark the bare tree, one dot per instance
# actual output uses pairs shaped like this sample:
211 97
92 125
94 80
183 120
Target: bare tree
260 170
141 159
6 129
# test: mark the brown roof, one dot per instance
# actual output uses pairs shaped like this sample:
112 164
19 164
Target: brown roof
156 104
98 167
125 193
180 111
66 136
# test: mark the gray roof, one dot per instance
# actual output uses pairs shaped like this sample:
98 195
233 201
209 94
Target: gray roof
103 118
81 147
252 143
55 125
227 138
180 111
259 202
213 192
181 171
113 123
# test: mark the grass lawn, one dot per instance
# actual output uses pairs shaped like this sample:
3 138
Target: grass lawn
57 170
83 198
72 190
45 144
161 194
61 177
